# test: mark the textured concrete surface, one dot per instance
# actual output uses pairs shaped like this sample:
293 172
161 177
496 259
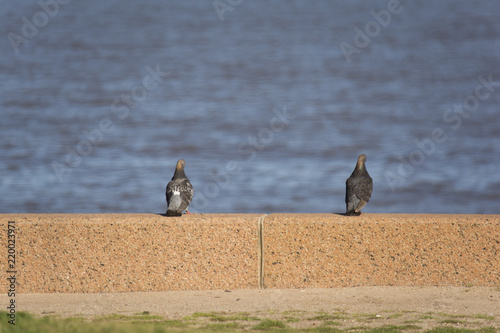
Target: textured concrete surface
96 253
321 250
67 253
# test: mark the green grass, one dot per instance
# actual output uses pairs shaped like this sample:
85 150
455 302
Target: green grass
461 330
366 317
289 319
483 316
269 324
27 323
175 323
488 330
452 321
428 315
294 312
357 329
136 317
392 329
395 315
400 328
326 316
324 329
221 326
224 317
396 322
450 330
331 323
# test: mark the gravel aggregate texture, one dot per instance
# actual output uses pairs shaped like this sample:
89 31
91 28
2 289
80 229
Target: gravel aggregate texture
323 251
72 253
116 253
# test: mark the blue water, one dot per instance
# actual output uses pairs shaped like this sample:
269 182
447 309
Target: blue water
264 106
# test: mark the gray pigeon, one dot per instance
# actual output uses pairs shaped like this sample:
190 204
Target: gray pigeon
359 188
179 192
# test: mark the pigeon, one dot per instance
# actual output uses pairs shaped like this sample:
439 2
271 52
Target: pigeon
359 188
179 192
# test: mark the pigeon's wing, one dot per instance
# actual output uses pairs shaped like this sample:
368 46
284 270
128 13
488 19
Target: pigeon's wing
169 191
364 188
186 191
360 186
349 188
360 206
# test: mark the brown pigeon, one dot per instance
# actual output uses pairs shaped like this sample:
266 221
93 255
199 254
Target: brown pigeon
359 188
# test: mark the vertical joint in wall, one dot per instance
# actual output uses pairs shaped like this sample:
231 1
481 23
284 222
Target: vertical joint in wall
260 233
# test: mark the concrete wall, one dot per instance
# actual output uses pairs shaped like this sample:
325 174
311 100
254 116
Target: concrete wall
90 253
381 249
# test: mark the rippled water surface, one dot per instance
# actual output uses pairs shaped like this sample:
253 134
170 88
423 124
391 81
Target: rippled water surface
269 106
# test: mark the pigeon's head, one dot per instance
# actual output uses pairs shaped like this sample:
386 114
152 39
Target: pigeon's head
180 165
361 160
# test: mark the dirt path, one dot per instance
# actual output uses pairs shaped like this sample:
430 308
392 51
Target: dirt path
392 305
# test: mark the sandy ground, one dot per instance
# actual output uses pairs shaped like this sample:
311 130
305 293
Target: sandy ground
454 301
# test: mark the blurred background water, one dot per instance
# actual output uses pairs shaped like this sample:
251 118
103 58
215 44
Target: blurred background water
269 102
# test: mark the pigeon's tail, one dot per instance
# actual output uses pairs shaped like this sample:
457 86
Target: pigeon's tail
351 206
174 206
173 213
